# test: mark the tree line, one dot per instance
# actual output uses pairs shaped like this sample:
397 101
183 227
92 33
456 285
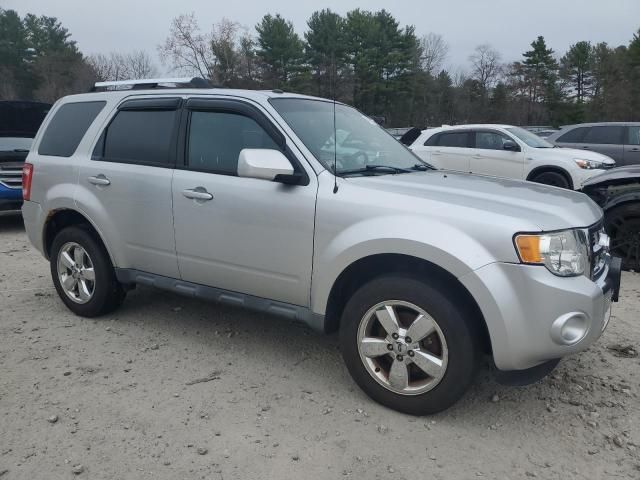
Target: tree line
363 58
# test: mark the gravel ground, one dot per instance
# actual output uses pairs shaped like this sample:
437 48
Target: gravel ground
169 387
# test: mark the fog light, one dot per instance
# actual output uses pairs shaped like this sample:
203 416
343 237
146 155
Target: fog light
570 328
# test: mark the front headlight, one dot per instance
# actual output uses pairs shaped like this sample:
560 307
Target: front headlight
588 164
564 253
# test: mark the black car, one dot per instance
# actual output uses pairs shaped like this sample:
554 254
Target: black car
618 193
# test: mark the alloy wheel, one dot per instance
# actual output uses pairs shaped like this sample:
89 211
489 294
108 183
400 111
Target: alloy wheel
402 347
76 273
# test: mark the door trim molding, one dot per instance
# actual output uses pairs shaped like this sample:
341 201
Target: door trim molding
195 290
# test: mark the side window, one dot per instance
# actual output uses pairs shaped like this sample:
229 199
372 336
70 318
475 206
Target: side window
216 138
575 135
611 134
633 135
67 127
457 139
139 136
490 140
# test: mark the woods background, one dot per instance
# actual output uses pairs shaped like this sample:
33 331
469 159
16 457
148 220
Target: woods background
364 58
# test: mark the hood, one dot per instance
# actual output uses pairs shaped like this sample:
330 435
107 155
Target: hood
571 153
525 203
618 175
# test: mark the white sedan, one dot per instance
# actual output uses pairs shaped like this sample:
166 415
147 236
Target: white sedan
507 151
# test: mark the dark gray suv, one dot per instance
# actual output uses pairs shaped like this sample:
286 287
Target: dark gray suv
618 140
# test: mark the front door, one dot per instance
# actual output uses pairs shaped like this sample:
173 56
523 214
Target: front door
246 235
490 158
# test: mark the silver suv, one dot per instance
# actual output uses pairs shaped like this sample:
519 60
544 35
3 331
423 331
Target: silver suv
307 209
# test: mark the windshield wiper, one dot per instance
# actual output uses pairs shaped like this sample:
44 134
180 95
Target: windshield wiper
373 168
421 167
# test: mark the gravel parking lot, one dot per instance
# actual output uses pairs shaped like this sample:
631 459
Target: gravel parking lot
170 387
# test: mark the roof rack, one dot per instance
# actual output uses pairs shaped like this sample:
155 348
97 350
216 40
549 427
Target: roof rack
151 83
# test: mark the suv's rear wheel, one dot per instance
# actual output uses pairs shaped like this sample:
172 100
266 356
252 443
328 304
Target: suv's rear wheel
408 345
82 273
623 225
555 179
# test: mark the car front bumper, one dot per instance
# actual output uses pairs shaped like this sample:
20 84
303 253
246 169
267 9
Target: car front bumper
10 198
534 316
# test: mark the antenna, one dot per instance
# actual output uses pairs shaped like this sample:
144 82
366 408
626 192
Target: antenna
335 128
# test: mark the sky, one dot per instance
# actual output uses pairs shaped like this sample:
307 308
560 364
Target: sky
507 25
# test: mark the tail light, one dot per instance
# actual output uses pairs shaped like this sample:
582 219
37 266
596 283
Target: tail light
27 177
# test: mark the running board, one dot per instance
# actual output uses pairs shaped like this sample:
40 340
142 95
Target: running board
195 290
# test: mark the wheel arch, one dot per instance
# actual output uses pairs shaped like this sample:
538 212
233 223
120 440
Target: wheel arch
551 168
62 218
369 267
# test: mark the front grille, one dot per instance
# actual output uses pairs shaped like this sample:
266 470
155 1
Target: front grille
11 175
599 253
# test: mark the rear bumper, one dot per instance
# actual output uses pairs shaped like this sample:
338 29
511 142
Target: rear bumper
534 316
33 223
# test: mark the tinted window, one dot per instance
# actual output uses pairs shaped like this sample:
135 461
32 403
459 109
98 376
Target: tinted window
604 135
67 127
452 140
490 140
140 136
216 138
573 136
633 136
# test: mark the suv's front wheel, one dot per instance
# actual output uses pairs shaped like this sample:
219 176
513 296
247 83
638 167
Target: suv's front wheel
408 345
82 273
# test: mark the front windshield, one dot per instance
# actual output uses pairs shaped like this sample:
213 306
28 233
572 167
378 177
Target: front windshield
361 146
529 138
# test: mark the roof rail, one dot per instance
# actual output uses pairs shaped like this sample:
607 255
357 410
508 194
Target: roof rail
151 83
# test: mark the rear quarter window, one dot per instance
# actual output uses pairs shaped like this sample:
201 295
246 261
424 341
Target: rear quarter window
67 127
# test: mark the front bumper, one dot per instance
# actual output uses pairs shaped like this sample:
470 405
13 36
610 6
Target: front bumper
10 198
523 306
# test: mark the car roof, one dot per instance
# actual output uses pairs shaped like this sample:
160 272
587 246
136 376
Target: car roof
117 95
447 128
600 124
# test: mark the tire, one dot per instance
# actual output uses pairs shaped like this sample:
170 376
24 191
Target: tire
459 353
622 224
555 179
106 294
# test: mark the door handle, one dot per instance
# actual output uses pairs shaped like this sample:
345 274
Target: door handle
198 193
477 156
437 152
99 180
585 147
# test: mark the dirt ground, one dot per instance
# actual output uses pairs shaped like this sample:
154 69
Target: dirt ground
173 388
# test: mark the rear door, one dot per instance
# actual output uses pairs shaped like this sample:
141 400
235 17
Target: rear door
126 186
451 150
605 139
490 158
632 146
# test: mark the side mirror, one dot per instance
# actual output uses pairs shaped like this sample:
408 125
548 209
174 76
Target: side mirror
265 164
511 146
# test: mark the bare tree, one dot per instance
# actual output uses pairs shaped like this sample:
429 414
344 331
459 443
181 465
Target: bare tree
485 66
224 46
139 65
434 51
187 49
119 66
